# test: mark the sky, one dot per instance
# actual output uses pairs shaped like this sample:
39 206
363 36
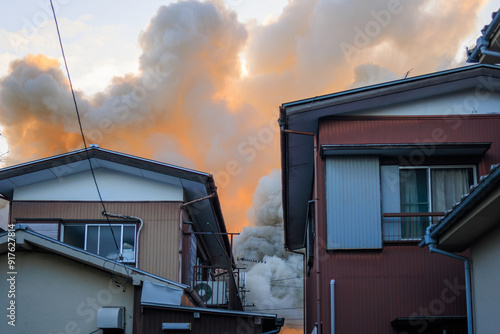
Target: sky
198 84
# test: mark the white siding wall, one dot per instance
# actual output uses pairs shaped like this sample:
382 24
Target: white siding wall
465 102
353 202
114 186
485 255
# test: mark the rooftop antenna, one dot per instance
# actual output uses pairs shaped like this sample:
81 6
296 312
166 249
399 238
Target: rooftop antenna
407 73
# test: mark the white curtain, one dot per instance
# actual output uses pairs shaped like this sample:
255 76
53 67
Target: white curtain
448 185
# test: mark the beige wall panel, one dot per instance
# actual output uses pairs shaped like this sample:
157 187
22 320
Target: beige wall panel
159 238
58 295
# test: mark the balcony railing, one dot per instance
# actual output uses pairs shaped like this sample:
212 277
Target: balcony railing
397 227
219 287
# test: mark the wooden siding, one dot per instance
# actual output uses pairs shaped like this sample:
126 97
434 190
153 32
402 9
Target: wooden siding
159 238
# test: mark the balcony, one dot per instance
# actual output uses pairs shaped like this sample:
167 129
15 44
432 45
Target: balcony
219 287
407 227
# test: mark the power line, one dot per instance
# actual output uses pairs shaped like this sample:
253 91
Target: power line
285 279
81 128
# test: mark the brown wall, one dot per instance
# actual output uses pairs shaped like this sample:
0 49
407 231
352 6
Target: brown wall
207 323
159 239
375 287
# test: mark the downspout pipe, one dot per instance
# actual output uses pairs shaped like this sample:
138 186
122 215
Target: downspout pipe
332 306
431 242
138 231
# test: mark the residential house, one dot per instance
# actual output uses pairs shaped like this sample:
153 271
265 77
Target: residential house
365 172
160 218
53 287
474 225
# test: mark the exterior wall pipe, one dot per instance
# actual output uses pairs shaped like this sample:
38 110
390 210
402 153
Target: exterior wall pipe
138 232
487 52
429 241
332 306
316 228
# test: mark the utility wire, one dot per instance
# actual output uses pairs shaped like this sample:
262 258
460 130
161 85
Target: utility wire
81 128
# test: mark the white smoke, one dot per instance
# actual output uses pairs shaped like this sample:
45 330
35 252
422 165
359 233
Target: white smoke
274 276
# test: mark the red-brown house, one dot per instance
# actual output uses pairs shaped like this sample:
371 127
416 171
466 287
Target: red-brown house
365 172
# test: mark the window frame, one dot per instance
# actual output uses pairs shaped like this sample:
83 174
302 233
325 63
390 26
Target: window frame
99 224
428 169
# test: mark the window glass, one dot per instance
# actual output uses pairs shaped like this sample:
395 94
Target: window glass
92 239
413 186
448 185
128 245
100 239
74 235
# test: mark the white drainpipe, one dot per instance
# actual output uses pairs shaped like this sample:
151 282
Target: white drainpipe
332 306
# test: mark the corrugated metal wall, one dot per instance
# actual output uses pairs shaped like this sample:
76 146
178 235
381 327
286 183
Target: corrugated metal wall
353 202
417 129
207 323
159 239
372 288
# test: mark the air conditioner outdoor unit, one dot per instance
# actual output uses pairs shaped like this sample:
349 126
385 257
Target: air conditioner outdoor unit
212 292
111 317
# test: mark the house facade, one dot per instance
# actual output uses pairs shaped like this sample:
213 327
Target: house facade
156 217
365 172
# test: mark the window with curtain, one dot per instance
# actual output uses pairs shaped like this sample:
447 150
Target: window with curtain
429 189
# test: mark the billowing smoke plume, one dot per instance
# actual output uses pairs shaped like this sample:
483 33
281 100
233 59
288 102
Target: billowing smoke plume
274 277
189 103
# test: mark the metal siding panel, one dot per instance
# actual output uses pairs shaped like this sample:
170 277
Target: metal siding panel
372 288
353 203
159 239
417 129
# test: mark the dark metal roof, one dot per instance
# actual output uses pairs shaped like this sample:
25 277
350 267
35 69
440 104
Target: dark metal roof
488 40
304 115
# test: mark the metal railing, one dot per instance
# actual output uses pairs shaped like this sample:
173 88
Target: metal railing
409 227
218 286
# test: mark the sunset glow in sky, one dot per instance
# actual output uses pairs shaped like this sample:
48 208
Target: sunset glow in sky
198 83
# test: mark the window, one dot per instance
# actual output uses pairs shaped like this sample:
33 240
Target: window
429 189
414 197
98 239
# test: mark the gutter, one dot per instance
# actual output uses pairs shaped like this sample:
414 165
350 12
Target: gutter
483 42
429 241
